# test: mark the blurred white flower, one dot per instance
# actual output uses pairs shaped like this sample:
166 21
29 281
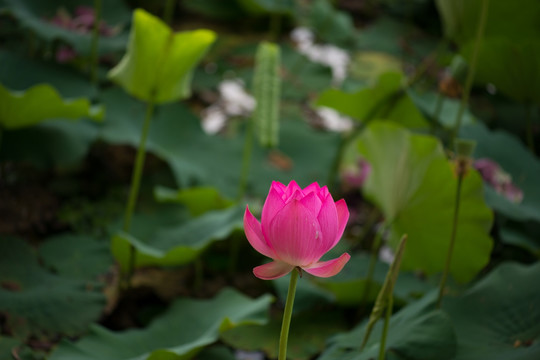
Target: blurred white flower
334 121
386 254
233 101
332 56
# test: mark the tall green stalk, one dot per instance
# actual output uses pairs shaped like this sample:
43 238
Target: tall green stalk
287 314
94 53
452 239
136 182
389 307
472 68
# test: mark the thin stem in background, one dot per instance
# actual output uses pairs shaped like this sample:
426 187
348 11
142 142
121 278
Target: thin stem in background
470 74
384 335
136 182
275 26
287 314
199 273
373 261
94 53
246 159
529 127
168 11
452 240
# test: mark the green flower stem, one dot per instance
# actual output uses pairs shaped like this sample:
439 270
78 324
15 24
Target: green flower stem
246 159
472 68
452 241
287 314
168 11
136 182
95 41
384 335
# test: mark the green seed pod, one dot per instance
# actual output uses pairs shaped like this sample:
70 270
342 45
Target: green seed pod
267 88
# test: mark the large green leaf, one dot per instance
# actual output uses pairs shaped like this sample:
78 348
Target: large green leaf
76 256
417 332
515 159
413 184
41 102
460 19
36 15
179 333
499 318
172 243
509 55
158 65
383 100
513 66
37 302
20 73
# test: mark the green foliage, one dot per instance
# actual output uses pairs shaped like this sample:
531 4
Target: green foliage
499 318
310 333
267 89
416 332
384 100
413 185
427 103
39 103
36 302
349 287
179 333
158 65
172 242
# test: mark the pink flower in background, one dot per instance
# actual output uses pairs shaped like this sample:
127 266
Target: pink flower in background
298 226
500 180
355 177
82 22
65 54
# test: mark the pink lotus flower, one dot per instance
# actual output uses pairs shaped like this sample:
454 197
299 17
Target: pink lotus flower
298 226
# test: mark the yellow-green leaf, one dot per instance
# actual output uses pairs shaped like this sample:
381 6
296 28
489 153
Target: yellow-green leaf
159 63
